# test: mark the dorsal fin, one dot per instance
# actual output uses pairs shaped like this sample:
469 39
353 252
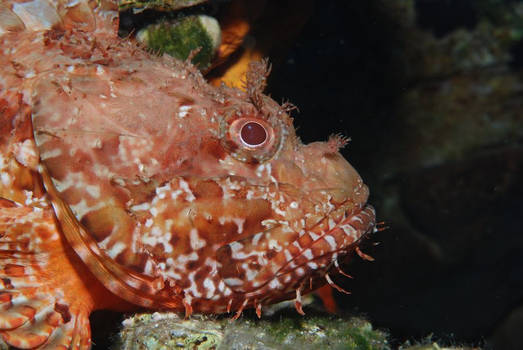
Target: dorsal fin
99 16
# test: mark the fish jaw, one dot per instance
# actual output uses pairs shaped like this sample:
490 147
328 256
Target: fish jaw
268 271
225 243
319 215
305 237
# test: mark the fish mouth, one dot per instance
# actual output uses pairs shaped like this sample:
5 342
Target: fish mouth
319 250
301 265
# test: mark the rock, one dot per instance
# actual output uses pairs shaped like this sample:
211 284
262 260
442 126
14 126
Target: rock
168 331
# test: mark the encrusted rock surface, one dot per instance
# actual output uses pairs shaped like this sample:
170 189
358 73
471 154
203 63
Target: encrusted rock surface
160 331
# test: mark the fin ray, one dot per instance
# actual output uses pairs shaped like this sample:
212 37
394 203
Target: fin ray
35 309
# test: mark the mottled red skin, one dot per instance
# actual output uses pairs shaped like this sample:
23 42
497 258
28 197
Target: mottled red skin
137 165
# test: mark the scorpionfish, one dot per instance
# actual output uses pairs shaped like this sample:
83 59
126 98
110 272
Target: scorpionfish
126 180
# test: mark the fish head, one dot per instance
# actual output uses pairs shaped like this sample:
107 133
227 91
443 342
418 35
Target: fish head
206 193
307 203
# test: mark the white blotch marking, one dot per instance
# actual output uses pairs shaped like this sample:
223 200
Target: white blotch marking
221 286
256 238
250 274
149 267
183 110
51 153
141 207
269 223
349 230
275 284
209 286
7 179
26 153
195 240
116 249
193 289
235 247
233 281
175 194
331 241
182 259
332 224
93 190
313 235
189 196
162 191
274 244
312 265
288 255
239 222
100 70
30 74
357 218
308 254
81 208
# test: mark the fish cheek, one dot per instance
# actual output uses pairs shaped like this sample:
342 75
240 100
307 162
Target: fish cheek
207 189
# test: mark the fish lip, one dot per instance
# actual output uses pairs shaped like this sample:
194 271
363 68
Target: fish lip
358 224
366 221
363 218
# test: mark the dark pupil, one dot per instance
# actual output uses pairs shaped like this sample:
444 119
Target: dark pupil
253 134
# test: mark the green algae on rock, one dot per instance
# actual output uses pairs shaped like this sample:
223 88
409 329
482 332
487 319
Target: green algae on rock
160 331
182 36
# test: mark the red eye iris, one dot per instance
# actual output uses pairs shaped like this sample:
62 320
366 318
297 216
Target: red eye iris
253 134
250 139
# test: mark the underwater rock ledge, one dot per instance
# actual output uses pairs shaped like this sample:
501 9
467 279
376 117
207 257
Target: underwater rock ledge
282 330
158 331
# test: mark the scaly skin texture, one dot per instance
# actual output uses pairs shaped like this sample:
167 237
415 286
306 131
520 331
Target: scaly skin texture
172 193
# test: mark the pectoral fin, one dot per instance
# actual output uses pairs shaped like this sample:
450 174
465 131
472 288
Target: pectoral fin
44 302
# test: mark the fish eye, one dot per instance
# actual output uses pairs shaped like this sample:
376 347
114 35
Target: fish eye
253 134
251 139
